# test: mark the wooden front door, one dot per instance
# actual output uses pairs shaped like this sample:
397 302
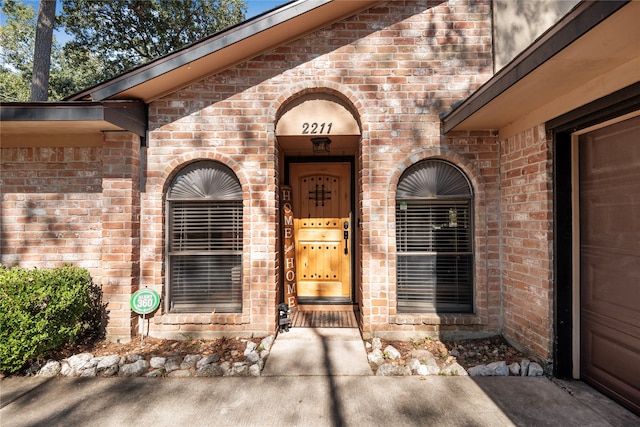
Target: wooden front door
322 228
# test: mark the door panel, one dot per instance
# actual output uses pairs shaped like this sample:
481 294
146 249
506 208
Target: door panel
610 260
322 228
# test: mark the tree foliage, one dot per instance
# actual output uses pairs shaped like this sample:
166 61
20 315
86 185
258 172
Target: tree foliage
17 41
108 38
127 33
70 71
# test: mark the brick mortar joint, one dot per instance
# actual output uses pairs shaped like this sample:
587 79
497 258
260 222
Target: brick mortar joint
198 319
434 319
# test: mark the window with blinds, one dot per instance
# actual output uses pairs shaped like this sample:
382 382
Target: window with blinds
434 239
204 240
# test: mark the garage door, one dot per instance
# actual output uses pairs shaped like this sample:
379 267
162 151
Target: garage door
610 260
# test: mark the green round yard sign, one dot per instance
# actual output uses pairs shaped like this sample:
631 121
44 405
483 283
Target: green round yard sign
145 301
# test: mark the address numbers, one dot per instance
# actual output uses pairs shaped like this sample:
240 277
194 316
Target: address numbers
316 128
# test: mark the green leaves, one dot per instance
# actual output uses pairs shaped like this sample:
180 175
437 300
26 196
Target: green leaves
108 38
127 33
40 310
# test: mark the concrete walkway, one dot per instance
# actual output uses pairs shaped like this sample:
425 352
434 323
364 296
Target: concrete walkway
309 380
318 351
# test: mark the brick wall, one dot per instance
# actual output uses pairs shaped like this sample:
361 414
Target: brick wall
477 155
400 65
120 229
51 207
527 234
78 206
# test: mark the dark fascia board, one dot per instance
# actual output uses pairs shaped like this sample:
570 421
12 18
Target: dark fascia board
127 115
585 16
200 49
624 101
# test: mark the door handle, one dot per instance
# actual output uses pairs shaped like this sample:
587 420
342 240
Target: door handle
346 242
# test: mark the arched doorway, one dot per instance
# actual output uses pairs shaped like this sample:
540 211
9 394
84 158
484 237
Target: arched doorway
318 135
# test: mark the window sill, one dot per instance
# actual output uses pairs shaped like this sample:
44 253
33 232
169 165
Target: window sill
435 319
200 319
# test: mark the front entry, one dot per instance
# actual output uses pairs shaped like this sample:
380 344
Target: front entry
321 194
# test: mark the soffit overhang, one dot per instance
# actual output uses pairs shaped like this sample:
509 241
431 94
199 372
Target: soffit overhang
225 49
592 52
23 123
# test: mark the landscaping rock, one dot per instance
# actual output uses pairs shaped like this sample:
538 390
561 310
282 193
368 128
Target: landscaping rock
376 344
212 358
421 354
499 369
239 369
155 373
389 369
209 370
111 370
376 357
454 370
134 364
78 362
252 357
226 368
172 364
424 370
535 370
190 361
251 346
514 368
157 362
50 369
132 358
108 363
479 371
135 369
91 371
390 352
254 370
266 343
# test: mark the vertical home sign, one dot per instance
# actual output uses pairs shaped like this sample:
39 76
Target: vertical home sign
288 245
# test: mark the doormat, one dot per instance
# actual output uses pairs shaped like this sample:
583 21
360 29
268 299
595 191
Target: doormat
324 319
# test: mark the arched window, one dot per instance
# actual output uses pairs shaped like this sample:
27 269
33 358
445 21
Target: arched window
204 240
434 239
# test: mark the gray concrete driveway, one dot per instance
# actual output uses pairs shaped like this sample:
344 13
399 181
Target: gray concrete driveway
305 401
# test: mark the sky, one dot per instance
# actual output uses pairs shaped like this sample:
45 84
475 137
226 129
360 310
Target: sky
254 7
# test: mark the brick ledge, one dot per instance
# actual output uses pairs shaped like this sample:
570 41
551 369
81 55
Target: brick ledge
201 319
435 319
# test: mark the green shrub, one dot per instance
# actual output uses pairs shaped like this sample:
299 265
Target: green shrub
40 310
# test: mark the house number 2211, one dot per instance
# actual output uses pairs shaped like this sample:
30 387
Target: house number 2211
316 128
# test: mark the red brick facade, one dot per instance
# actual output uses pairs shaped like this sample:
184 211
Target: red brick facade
399 66
527 236
80 206
52 206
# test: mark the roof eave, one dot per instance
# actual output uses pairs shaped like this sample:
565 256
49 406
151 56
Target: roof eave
584 17
224 40
125 115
